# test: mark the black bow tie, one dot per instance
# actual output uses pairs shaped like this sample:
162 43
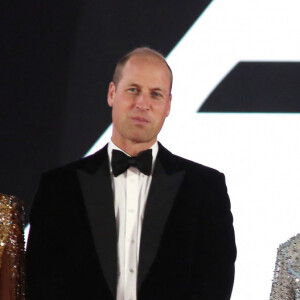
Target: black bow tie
121 162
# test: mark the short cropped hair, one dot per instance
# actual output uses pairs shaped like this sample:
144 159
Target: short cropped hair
142 51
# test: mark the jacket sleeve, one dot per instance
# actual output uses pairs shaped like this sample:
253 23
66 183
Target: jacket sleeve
42 278
216 282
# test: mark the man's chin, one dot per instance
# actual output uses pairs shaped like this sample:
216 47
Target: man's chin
143 139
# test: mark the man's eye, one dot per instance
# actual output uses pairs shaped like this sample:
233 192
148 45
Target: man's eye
132 90
156 95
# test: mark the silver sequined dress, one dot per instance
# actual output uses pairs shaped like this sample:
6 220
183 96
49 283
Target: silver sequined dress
286 281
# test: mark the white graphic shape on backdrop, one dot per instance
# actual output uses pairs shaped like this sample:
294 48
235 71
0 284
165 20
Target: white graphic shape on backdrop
259 153
226 33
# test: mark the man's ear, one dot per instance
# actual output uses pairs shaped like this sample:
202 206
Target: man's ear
169 109
111 94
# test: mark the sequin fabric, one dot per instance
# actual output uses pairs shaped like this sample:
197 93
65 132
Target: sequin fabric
12 253
286 281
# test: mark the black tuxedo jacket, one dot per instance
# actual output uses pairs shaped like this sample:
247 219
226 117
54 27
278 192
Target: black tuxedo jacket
187 246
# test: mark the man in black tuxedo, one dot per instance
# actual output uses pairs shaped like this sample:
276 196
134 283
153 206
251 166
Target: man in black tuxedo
133 221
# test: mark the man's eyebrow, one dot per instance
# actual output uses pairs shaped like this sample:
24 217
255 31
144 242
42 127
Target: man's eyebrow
158 89
133 84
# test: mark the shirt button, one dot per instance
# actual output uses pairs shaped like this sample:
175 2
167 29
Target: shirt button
131 241
131 270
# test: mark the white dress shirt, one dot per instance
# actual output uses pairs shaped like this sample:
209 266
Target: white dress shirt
130 191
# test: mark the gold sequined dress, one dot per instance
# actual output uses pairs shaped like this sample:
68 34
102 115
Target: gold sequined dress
286 281
11 248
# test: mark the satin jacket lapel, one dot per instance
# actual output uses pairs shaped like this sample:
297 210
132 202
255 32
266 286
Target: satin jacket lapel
163 190
98 197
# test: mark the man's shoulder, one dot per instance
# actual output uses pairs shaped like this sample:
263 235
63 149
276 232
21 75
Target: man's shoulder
178 162
194 171
88 163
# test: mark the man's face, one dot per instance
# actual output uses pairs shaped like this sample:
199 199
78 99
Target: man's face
141 101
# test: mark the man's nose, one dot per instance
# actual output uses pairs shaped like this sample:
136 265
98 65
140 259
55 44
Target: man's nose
143 102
